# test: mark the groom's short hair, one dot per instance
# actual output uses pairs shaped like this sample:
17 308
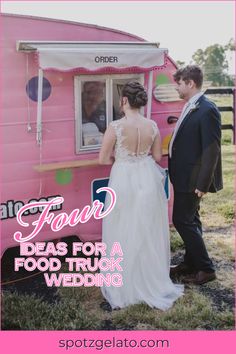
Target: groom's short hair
190 72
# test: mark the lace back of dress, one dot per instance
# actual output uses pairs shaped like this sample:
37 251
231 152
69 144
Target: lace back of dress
133 144
138 144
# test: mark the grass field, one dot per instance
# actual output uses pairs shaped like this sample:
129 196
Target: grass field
207 307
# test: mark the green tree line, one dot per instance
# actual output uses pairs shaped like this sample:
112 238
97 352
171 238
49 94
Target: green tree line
214 63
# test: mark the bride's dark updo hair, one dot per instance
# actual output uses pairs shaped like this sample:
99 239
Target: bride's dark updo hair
136 94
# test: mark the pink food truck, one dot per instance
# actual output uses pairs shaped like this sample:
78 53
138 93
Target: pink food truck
60 89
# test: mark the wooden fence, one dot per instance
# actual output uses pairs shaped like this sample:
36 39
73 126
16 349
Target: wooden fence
223 91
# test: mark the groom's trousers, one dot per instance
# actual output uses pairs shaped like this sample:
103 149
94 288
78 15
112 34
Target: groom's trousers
188 224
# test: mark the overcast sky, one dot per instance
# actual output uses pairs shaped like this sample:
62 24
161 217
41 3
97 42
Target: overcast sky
180 26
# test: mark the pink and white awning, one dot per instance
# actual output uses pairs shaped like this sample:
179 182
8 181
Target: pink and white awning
96 56
93 57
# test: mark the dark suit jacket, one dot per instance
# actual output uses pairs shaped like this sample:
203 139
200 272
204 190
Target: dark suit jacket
196 150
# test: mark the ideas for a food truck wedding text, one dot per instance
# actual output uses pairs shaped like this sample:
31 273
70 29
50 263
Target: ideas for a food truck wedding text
95 257
108 264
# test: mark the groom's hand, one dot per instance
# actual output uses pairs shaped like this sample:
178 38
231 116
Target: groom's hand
199 193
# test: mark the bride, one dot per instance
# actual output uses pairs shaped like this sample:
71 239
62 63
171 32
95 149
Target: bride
139 220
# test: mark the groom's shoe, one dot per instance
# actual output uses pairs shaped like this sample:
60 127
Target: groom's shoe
179 269
200 278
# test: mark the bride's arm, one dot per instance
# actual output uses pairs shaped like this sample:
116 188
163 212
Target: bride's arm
108 142
156 147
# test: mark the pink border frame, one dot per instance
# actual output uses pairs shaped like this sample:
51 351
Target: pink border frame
181 342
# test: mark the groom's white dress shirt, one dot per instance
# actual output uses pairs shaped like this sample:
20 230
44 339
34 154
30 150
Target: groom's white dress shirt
187 107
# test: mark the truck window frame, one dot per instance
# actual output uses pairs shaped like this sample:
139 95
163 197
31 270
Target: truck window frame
108 79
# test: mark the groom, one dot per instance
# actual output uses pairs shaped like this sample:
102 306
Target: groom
195 169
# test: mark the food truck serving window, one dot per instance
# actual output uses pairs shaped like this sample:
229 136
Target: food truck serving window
96 105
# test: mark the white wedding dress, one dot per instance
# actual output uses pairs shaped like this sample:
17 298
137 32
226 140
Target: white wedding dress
139 222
